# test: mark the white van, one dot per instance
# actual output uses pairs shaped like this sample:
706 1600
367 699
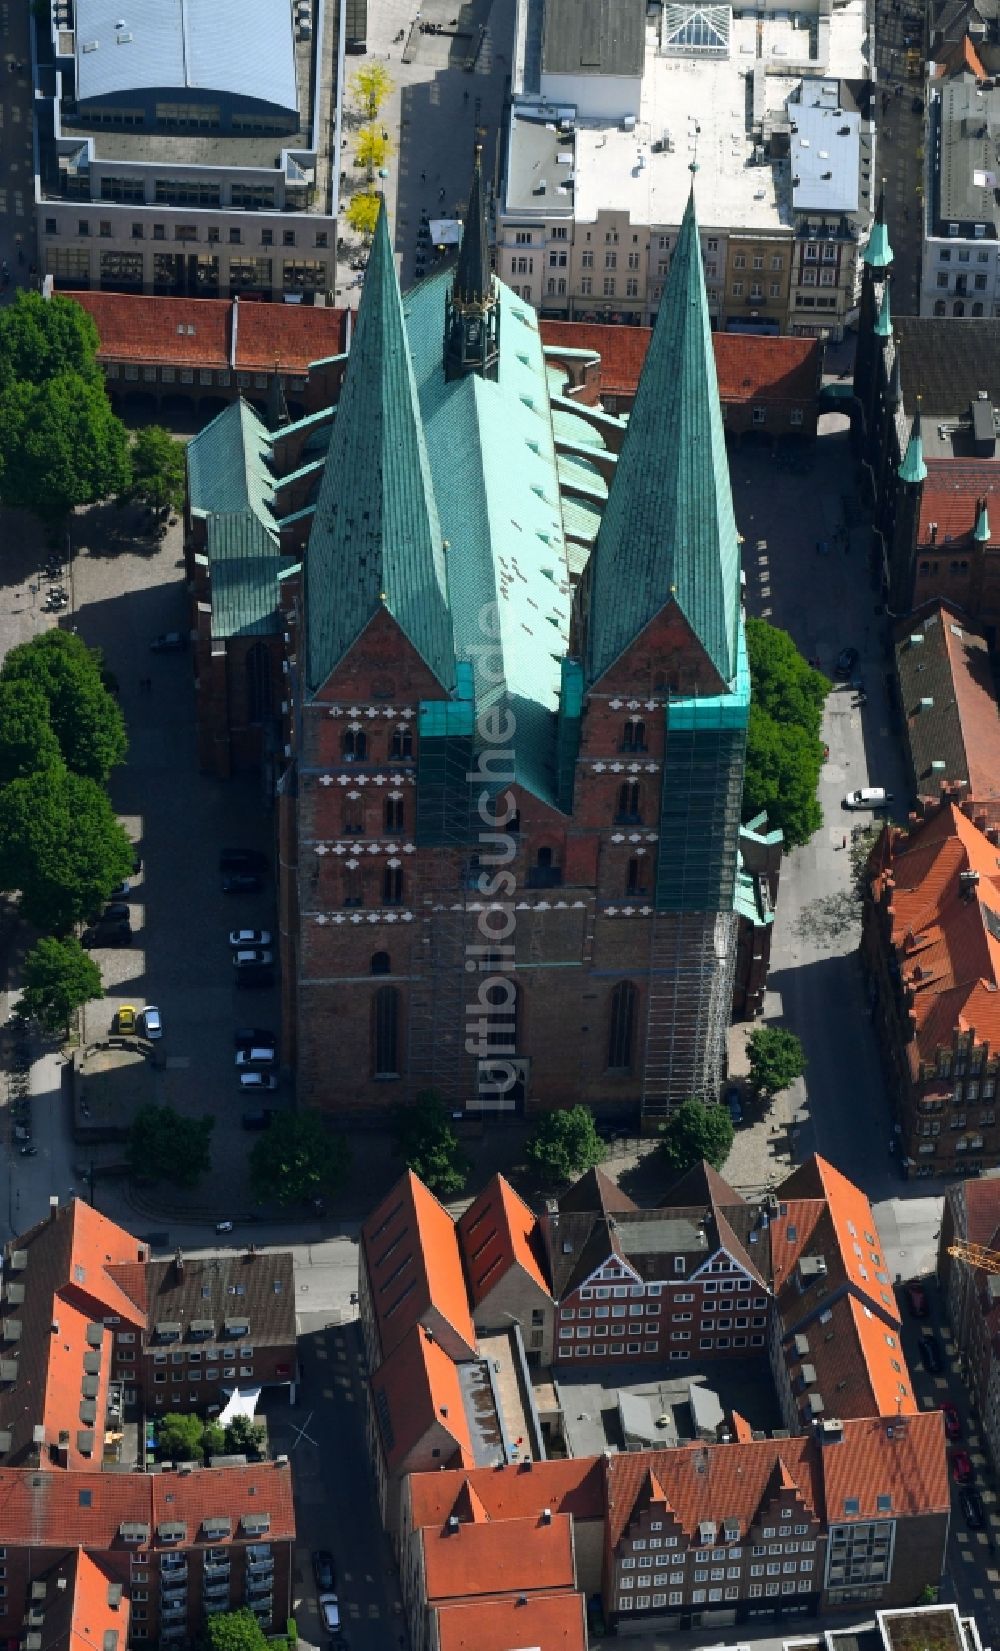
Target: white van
870 796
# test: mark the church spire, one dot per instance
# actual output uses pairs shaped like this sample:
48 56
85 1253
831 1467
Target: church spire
913 469
471 329
878 252
883 325
668 533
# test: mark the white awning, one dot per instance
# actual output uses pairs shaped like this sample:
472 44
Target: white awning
240 1401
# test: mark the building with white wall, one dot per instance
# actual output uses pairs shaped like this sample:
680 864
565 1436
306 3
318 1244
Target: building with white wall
960 272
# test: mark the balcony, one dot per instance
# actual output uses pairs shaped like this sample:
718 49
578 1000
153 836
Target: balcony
260 1570
215 1572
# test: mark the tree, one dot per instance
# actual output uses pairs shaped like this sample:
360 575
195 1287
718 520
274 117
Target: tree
863 840
373 149
298 1159
85 717
165 1146
362 213
213 1440
41 338
235 1631
61 445
371 86
425 1140
179 1437
245 1437
776 1059
27 739
564 1144
158 469
60 846
58 976
694 1132
781 776
783 683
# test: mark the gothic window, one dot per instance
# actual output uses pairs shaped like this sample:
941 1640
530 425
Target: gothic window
355 745
258 678
635 881
622 1026
386 1032
629 802
394 814
392 886
381 964
545 874
402 744
354 817
634 735
353 889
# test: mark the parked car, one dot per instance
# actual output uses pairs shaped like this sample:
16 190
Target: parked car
243 859
916 1297
151 1023
258 1080
961 1467
869 796
323 1571
845 663
169 642
250 937
28 1152
245 1036
117 912
930 1354
250 955
125 1018
119 893
241 882
223 1226
109 934
952 1420
972 1507
735 1105
329 1607
262 1054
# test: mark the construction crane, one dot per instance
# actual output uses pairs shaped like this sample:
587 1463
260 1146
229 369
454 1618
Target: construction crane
977 1255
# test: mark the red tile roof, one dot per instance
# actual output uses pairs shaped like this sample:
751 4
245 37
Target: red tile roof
414 1267
572 1486
505 1556
197 332
948 956
550 1622
950 497
904 1460
749 367
418 1392
498 1231
92 1616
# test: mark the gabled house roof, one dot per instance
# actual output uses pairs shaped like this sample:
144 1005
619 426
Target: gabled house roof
949 704
498 1231
417 1392
750 368
506 1556
548 1621
83 1607
414 1265
199 332
571 1485
949 503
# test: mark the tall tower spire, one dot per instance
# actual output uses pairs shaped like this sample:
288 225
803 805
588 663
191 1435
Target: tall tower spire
913 470
668 531
472 315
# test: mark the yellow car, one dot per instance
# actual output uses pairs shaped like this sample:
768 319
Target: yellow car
126 1018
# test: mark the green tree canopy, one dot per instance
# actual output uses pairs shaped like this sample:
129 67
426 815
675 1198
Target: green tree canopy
776 1059
564 1144
158 469
213 1439
426 1141
27 739
298 1159
42 338
85 717
60 445
179 1437
782 773
362 213
61 846
235 1631
58 976
165 1146
784 684
694 1132
245 1437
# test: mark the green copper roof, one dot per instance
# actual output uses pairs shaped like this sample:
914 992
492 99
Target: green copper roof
913 469
245 566
227 466
669 532
473 282
878 252
492 457
883 321
376 539
982 532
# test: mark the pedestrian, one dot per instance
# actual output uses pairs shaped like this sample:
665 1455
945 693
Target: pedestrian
465 96
844 843
441 193
423 177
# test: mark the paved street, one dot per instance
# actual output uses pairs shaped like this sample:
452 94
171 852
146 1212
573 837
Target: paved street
899 155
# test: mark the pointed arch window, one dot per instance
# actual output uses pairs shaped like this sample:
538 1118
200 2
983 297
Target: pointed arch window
402 744
392 886
634 735
258 682
385 1030
621 1027
630 803
381 963
394 814
354 745
635 875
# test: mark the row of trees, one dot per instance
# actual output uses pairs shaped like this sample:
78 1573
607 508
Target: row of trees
190 1438
296 1160
369 88
784 750
61 445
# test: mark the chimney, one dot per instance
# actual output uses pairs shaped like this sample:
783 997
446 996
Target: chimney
53 1205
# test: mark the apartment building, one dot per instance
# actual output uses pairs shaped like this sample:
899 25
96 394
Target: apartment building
185 149
597 157
960 268
89 1538
948 706
972 1294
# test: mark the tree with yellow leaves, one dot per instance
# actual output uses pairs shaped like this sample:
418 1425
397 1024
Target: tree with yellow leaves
371 86
373 149
362 213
